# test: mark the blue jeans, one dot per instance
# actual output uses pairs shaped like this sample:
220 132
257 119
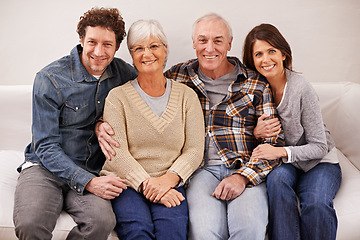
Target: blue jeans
138 218
245 217
315 190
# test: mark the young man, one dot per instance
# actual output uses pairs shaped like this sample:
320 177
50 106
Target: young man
62 162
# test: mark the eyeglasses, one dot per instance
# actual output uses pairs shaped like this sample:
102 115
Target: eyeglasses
152 48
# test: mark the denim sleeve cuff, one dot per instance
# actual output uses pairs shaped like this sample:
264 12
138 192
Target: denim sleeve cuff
80 179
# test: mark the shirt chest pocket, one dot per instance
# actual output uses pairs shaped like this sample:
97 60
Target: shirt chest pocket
241 107
75 112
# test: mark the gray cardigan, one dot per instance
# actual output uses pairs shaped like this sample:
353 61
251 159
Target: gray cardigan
305 134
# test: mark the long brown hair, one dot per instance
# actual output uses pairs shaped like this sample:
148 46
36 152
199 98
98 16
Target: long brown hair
270 34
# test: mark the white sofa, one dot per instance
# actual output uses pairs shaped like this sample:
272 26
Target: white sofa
339 102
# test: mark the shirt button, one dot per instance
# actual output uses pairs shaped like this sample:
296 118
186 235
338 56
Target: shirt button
98 102
77 108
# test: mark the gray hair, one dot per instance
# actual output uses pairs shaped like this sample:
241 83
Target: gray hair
212 16
142 30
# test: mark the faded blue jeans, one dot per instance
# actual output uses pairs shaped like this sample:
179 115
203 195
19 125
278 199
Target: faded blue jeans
315 190
245 217
139 219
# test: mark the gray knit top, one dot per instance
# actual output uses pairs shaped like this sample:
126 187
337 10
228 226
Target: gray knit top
306 137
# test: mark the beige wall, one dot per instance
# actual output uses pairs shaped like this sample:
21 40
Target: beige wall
324 34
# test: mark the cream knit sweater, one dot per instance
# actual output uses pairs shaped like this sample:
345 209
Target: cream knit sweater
151 145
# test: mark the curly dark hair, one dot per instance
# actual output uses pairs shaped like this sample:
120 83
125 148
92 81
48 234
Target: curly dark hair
108 18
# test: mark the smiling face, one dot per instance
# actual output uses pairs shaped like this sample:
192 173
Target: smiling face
151 60
211 43
99 47
268 60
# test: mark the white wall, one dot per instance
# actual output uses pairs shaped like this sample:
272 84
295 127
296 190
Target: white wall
324 34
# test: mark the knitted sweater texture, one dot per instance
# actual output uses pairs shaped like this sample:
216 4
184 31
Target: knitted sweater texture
300 115
151 145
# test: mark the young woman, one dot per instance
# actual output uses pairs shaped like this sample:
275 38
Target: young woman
159 126
309 171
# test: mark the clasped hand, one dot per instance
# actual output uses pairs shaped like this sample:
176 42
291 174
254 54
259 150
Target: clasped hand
160 190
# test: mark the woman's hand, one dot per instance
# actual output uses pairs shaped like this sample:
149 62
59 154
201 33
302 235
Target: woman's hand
268 152
172 198
104 131
154 188
267 127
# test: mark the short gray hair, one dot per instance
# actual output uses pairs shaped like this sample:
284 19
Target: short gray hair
142 30
213 16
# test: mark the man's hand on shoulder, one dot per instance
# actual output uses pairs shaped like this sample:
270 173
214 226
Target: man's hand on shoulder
107 187
231 187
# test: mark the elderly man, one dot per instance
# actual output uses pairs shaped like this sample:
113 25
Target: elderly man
226 196
62 162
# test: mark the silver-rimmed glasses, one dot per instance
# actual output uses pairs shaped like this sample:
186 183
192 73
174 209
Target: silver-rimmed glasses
152 48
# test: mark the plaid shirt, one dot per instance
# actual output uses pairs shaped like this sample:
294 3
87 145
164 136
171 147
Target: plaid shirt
230 123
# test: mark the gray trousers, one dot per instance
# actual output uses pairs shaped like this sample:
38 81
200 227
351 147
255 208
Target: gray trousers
39 199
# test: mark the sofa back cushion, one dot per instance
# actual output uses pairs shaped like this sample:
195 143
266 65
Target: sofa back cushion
341 113
339 103
15 123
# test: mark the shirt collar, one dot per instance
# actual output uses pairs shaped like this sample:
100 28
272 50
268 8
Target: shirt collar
193 66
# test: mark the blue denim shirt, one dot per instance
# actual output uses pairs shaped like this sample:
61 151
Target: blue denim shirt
67 102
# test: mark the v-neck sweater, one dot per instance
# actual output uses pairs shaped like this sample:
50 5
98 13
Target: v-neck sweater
151 145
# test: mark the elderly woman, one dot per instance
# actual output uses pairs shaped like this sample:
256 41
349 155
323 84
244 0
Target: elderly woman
159 126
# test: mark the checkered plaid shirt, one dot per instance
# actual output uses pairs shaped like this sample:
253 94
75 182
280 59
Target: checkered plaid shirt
230 123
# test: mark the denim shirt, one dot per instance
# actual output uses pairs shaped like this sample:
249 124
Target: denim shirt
67 103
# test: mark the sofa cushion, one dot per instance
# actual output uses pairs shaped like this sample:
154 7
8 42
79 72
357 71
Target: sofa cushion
347 201
9 160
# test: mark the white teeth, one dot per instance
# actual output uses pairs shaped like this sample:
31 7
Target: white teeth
149 62
210 57
268 67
